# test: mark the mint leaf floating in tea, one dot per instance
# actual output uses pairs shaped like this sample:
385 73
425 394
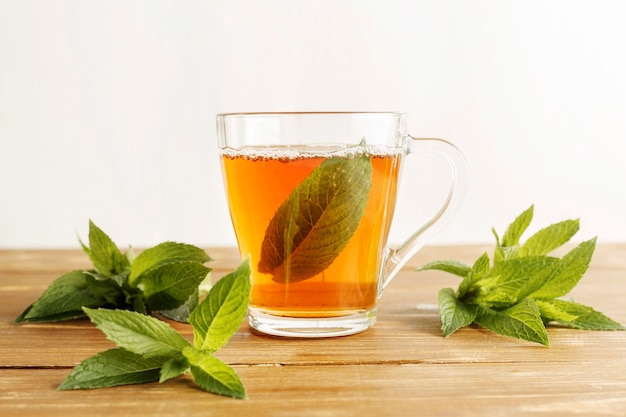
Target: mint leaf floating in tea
520 292
164 279
150 350
317 220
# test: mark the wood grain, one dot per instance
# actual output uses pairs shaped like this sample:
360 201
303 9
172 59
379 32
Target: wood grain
402 366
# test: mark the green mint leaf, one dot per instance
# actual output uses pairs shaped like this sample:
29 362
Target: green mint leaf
549 238
174 367
567 272
182 312
508 247
214 375
576 315
105 255
119 280
448 265
109 290
219 316
138 333
477 273
170 285
550 311
113 367
317 220
516 229
522 321
136 303
63 300
454 314
165 253
512 280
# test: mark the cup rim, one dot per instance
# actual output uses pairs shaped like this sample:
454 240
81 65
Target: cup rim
310 113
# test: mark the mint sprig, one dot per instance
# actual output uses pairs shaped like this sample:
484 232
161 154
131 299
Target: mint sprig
521 291
163 279
150 350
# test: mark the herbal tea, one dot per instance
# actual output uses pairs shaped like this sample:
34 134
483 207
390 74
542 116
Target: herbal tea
312 208
313 225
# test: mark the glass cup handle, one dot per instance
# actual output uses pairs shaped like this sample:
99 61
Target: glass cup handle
395 258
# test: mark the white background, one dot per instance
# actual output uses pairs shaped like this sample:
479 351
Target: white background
107 108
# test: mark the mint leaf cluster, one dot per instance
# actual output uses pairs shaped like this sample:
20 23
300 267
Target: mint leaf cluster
164 279
150 350
521 291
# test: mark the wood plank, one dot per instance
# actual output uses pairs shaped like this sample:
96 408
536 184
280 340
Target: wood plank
501 389
395 339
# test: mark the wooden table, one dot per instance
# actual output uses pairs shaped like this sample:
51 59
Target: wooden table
401 367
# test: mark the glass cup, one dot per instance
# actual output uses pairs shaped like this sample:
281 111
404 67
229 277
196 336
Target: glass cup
311 199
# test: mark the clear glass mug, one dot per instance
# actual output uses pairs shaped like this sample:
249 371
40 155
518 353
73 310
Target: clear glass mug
311 199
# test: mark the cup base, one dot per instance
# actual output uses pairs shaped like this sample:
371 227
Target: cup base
316 327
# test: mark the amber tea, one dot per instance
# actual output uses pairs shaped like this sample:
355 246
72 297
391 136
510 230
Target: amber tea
313 226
